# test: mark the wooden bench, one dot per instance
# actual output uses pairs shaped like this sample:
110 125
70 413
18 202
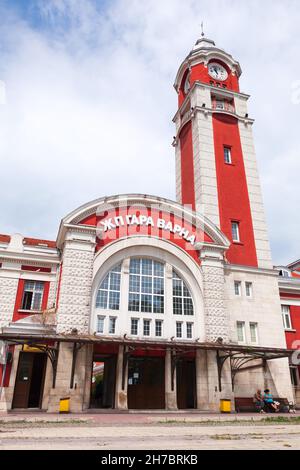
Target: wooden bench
246 404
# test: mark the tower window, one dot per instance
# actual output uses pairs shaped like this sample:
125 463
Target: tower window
227 155
235 231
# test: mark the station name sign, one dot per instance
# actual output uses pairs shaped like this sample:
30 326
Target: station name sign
131 220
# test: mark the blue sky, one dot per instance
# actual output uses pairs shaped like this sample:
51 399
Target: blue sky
90 101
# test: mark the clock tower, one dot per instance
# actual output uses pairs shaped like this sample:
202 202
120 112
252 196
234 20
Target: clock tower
216 169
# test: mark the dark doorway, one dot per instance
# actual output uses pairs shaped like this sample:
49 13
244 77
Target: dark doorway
29 382
186 384
146 383
103 382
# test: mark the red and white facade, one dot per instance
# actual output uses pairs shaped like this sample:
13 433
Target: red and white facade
156 290
289 288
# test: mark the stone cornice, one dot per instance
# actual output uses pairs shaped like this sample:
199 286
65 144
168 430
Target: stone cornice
250 269
289 285
32 258
219 91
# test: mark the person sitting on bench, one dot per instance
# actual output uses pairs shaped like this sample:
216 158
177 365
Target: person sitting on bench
269 402
259 401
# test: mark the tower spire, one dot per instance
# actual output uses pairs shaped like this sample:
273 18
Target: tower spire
202 31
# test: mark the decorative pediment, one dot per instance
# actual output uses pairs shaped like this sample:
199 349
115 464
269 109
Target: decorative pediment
129 215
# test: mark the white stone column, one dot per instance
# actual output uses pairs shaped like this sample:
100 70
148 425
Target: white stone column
216 315
213 397
170 395
201 380
121 402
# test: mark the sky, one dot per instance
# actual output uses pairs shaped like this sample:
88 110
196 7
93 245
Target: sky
87 101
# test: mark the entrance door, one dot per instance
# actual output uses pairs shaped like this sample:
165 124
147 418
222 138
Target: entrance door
103 382
30 380
186 384
146 383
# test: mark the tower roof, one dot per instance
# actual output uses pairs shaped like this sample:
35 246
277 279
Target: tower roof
204 43
205 50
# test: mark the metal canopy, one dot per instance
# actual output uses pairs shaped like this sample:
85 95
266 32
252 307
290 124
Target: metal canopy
26 338
238 355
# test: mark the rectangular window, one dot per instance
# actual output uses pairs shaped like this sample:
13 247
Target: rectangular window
112 325
235 231
240 325
146 286
134 326
189 330
178 329
33 295
238 288
253 333
158 327
146 328
100 324
227 155
286 317
248 286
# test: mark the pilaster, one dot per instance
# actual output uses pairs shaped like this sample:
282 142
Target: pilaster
216 315
76 282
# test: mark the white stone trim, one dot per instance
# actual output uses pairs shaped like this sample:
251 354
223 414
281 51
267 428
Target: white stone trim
287 301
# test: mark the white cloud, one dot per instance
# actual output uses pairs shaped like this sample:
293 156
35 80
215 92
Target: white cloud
90 100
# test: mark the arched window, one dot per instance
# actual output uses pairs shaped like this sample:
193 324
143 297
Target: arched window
182 300
143 301
108 295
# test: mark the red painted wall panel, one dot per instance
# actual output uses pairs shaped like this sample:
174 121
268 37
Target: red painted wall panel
131 230
234 204
187 166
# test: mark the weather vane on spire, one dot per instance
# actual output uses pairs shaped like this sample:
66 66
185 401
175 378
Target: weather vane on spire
202 32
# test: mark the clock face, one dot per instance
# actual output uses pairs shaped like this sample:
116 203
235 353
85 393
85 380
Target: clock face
217 71
187 85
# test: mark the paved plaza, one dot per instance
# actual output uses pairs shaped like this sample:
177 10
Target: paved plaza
155 431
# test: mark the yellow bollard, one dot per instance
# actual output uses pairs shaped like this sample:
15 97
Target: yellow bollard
64 405
225 406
